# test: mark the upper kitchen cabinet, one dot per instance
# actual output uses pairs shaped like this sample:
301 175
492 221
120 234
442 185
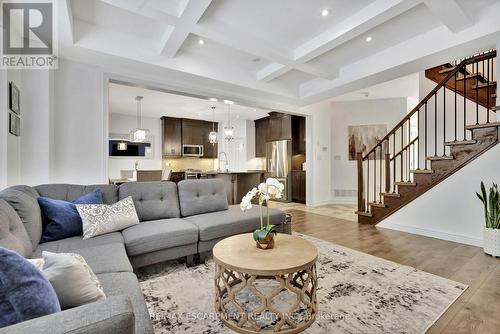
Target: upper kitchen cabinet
279 127
172 136
298 135
209 150
193 131
261 136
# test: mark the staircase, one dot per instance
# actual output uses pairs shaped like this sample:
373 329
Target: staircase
454 124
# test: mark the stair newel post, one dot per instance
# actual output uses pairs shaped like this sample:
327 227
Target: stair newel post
387 172
361 203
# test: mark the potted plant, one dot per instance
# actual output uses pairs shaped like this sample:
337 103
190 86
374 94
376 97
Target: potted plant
491 203
271 189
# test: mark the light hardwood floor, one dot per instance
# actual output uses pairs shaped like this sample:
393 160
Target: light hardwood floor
476 311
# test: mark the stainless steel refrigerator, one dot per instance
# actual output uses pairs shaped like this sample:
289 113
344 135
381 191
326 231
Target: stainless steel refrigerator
279 164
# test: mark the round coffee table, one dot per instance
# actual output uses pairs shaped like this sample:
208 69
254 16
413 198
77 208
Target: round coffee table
266 290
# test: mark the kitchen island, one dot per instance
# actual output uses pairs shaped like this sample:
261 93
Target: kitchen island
237 183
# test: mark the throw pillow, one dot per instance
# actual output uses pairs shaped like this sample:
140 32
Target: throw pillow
73 280
101 219
61 219
38 263
25 293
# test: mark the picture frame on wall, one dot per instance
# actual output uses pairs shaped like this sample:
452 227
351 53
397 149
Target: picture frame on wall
14 98
14 125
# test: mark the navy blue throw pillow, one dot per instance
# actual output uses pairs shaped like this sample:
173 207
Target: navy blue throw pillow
61 219
25 293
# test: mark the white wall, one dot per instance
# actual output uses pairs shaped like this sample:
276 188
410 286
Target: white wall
344 171
333 177
318 170
79 124
122 124
3 128
451 210
235 149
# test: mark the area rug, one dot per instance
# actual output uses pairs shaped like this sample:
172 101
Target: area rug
358 293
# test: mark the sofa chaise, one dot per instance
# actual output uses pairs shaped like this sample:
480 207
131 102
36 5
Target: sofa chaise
176 220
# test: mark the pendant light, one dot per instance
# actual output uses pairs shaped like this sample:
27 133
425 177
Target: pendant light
122 146
228 130
212 136
139 135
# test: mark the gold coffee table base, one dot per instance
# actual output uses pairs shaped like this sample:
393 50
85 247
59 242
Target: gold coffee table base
297 283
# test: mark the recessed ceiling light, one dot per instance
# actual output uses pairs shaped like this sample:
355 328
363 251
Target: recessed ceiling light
255 110
201 41
368 39
325 12
213 99
228 102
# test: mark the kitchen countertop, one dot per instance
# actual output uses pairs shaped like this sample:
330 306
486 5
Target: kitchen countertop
212 172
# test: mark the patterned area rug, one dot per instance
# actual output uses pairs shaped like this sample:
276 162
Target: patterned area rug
358 293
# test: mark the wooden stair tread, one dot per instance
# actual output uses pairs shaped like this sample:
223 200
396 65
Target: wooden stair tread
494 96
485 85
422 171
377 204
461 142
482 126
364 213
390 195
495 108
470 76
446 70
403 183
443 157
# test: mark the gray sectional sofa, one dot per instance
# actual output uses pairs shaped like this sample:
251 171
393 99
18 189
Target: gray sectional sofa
177 221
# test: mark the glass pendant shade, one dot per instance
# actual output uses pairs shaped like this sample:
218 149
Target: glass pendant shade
122 146
229 129
139 134
212 136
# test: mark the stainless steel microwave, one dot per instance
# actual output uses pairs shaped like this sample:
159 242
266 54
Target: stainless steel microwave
192 150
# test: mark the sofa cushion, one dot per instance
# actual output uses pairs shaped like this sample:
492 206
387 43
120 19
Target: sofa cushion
116 284
70 244
232 221
201 196
159 234
107 258
61 219
25 293
70 192
13 235
23 200
152 200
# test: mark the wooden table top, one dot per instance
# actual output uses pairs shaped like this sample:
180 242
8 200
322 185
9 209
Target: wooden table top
240 253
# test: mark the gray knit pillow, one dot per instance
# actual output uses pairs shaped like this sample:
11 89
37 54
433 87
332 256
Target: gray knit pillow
100 219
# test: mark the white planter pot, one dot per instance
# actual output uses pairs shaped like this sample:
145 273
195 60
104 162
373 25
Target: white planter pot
491 242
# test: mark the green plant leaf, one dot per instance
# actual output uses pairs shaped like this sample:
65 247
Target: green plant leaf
259 235
269 228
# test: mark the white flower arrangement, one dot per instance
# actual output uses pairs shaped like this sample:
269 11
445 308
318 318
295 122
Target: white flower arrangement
271 189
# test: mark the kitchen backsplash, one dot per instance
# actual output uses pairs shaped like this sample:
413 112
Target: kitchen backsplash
190 163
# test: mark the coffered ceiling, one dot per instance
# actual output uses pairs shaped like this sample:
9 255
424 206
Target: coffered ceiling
281 53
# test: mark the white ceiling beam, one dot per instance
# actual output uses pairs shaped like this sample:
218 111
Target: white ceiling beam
367 18
271 72
450 14
357 24
190 16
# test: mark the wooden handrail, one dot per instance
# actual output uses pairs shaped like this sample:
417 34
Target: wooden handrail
451 74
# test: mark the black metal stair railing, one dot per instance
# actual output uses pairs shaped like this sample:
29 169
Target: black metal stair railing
464 97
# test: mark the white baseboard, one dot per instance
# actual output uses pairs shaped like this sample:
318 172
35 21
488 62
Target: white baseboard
333 201
433 234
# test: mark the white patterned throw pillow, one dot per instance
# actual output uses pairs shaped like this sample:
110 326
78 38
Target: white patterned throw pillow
100 219
72 279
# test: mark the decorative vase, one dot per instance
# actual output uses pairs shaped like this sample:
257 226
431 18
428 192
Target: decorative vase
267 243
491 242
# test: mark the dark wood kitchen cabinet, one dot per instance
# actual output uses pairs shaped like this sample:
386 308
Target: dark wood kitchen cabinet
279 127
192 132
299 186
298 135
172 137
261 136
